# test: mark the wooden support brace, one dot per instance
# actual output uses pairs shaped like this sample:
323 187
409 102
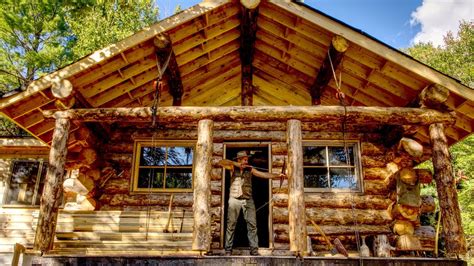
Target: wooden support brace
248 30
202 188
52 192
175 84
337 49
296 206
447 194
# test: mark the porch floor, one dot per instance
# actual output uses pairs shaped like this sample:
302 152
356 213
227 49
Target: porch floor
240 260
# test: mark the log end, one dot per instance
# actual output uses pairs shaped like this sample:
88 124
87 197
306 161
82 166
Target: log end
250 4
340 43
161 41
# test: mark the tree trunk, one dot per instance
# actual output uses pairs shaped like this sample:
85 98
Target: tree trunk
321 114
447 194
52 192
296 207
202 188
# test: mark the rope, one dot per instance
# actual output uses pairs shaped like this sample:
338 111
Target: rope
157 85
341 97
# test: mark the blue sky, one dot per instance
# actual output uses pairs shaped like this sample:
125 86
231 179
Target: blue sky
398 23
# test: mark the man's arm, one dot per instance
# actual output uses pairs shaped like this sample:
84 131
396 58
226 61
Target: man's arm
228 164
266 175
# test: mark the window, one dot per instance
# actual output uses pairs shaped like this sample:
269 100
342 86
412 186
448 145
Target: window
26 183
163 167
327 167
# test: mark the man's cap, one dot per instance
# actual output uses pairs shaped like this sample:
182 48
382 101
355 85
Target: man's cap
241 154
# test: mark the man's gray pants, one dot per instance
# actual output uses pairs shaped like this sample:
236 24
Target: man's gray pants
233 211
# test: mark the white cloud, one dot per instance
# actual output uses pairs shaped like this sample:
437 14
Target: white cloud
437 17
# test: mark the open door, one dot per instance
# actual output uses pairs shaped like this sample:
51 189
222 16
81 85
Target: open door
259 157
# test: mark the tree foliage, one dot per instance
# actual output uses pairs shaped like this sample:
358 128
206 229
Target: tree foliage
456 58
38 37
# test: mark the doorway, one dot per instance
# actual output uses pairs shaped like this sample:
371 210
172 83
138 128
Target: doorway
258 157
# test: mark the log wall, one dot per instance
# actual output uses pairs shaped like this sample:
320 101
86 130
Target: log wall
335 213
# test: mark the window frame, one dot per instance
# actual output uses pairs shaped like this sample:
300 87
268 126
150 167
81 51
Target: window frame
357 165
134 189
42 168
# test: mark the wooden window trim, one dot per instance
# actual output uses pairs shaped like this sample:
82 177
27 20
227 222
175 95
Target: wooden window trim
160 143
357 164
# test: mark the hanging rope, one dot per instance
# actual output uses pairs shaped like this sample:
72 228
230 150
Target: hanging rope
157 86
341 97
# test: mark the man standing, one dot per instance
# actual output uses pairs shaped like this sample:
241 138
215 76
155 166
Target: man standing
240 197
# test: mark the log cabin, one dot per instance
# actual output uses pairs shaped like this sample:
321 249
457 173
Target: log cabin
127 140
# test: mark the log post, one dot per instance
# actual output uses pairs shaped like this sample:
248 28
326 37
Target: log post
447 194
296 207
52 192
248 30
334 56
202 187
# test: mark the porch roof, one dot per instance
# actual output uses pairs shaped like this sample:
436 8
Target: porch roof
291 44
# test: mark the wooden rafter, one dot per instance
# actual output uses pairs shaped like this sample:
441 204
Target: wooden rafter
336 51
165 55
248 30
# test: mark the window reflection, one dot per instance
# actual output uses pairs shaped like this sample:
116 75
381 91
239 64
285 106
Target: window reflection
166 167
330 167
337 156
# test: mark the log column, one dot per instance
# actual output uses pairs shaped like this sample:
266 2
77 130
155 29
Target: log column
296 208
447 194
202 186
52 192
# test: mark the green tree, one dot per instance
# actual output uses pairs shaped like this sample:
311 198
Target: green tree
38 37
107 22
33 41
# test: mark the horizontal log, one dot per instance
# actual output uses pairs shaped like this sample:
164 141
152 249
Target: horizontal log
327 114
330 200
155 200
371 148
334 128
117 186
338 229
325 216
379 187
382 173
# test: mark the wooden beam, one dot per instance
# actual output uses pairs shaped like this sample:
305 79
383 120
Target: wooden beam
248 31
447 194
51 198
334 56
202 189
165 54
323 114
296 207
